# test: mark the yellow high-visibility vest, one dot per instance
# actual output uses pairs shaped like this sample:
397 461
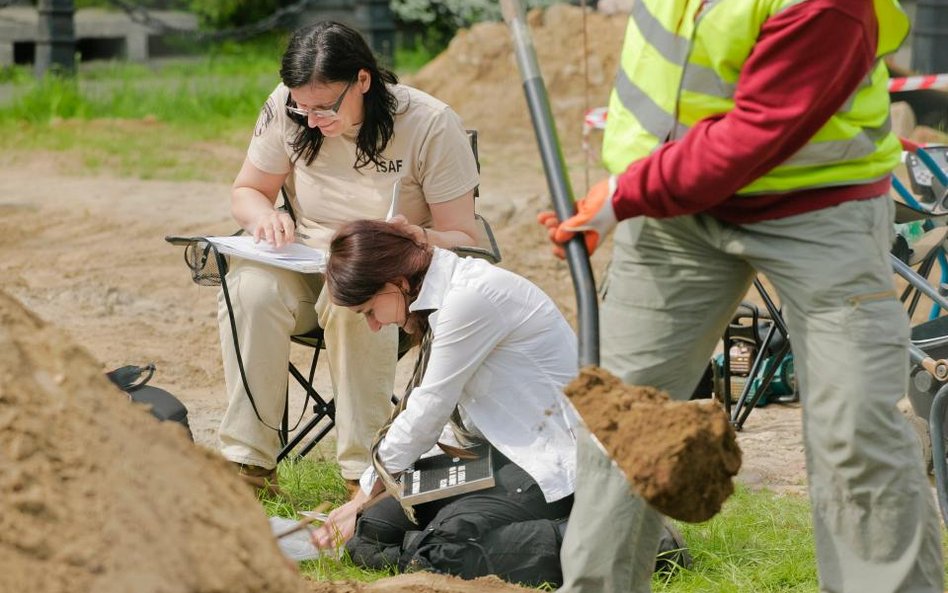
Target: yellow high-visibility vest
677 69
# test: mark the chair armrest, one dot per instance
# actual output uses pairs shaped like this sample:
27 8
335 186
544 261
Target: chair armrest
487 245
202 259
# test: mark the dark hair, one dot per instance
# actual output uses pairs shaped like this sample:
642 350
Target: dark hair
366 254
332 52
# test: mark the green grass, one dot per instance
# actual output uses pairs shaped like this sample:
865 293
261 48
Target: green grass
180 119
409 60
761 541
305 485
227 81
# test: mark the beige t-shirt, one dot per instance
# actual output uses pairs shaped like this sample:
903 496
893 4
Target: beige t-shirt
429 150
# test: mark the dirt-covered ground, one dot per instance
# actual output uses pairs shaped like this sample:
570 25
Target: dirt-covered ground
87 255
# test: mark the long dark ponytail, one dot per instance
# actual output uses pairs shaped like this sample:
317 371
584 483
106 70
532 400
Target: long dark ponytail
332 52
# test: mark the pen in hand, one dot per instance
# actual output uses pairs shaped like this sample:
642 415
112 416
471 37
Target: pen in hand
393 208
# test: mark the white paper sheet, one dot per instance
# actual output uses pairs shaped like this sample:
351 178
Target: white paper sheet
298 546
293 256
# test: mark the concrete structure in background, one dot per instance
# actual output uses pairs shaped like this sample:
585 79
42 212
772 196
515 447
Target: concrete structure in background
102 34
903 57
55 37
99 34
930 37
373 18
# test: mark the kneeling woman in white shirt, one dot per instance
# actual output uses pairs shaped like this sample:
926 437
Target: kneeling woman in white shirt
500 354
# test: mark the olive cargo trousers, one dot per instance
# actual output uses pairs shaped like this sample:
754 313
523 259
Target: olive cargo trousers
672 287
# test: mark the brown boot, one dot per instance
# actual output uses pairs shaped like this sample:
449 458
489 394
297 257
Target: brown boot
260 478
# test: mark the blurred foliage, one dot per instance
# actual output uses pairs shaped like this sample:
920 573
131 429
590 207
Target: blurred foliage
15 74
212 14
412 57
425 26
152 4
221 14
432 23
228 81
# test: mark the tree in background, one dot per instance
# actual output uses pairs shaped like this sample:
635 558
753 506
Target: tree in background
221 14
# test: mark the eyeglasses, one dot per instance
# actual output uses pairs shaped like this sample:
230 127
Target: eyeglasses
331 113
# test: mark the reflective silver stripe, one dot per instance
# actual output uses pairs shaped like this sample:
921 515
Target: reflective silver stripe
749 194
655 120
672 47
680 130
877 133
821 153
704 80
851 99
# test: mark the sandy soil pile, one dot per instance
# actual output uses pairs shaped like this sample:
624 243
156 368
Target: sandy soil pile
99 496
679 456
477 75
421 582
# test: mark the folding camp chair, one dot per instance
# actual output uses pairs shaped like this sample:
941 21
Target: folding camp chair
756 358
921 210
209 268
924 208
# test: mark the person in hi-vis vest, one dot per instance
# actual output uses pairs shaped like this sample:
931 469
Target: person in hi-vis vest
746 137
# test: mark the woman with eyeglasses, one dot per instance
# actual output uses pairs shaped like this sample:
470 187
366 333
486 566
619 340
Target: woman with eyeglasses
343 137
500 353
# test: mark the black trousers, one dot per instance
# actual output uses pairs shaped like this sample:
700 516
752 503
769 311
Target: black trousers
508 530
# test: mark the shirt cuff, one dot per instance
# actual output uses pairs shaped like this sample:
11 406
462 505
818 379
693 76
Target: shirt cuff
368 480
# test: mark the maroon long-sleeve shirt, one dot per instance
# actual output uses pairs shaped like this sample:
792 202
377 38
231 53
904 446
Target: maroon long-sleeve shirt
806 63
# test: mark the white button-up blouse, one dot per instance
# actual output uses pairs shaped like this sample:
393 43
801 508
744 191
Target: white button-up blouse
501 352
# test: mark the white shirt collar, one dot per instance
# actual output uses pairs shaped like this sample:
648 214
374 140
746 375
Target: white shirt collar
437 281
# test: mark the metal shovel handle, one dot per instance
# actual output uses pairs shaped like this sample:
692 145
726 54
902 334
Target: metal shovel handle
561 192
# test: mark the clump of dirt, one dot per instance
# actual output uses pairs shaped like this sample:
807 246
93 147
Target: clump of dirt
99 496
477 74
422 582
678 456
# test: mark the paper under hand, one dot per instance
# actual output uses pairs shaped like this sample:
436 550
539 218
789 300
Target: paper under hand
292 256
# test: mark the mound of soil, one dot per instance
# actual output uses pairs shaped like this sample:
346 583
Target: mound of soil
477 74
678 456
99 496
421 582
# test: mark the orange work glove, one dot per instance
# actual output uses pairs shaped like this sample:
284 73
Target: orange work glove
594 216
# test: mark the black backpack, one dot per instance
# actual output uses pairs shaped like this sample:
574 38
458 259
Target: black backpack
165 407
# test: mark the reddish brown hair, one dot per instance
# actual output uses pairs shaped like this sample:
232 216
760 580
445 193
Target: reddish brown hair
366 254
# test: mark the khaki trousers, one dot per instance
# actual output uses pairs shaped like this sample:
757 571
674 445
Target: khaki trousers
672 287
271 304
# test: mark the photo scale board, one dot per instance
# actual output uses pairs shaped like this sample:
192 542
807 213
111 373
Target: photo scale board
441 476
